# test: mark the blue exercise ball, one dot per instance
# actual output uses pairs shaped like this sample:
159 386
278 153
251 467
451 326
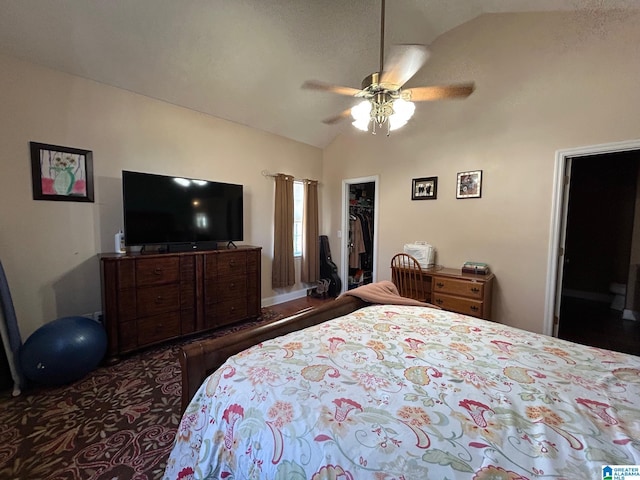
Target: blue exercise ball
63 351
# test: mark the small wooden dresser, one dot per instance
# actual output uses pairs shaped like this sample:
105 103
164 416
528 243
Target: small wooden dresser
452 290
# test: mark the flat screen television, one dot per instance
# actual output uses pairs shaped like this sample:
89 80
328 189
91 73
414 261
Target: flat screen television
180 212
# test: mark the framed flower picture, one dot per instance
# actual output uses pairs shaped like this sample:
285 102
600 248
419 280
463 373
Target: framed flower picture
61 173
469 184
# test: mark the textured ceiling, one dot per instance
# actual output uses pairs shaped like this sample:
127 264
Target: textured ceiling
241 60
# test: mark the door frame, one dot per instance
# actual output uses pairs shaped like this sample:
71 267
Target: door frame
558 223
344 260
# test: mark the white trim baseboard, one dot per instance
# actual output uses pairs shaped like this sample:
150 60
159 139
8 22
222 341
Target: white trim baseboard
285 297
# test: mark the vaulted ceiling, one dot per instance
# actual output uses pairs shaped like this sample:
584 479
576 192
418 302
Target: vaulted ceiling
240 60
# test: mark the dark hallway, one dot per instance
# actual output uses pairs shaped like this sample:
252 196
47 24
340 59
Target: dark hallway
596 324
602 253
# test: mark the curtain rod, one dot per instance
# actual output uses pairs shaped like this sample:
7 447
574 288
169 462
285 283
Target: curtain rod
266 173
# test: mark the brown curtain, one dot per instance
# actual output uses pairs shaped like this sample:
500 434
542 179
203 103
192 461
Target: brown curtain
310 267
282 271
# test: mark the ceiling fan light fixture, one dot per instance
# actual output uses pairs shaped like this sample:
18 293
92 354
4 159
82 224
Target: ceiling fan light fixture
385 101
402 112
361 114
395 113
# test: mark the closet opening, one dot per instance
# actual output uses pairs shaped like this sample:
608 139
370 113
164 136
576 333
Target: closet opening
359 252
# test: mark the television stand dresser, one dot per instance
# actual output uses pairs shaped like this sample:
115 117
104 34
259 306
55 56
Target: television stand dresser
452 290
151 298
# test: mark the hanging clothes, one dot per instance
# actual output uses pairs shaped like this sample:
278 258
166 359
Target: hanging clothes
357 242
366 221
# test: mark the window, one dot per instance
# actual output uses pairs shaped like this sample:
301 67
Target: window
298 197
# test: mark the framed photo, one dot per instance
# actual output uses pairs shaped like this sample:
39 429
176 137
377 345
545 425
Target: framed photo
469 184
424 188
61 173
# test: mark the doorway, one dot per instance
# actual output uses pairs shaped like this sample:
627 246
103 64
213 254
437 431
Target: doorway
358 265
596 230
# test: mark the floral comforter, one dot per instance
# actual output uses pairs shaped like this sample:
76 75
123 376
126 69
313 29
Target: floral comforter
396 392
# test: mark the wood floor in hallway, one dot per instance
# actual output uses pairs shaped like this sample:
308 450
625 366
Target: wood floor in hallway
596 324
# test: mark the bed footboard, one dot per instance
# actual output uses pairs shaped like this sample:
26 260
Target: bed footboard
200 359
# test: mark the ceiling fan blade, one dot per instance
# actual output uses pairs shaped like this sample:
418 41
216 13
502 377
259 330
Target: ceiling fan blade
425 94
403 63
338 118
327 87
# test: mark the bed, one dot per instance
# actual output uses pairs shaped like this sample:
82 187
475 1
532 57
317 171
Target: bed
356 390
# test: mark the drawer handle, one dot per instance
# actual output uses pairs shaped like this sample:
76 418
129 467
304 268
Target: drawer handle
475 289
232 263
158 271
232 285
439 301
473 308
439 284
158 299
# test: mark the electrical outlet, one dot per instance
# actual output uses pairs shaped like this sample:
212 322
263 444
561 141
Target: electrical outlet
97 316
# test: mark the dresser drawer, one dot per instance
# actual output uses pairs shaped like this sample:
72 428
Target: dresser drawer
231 288
157 271
232 263
234 287
458 304
160 299
158 328
455 286
230 311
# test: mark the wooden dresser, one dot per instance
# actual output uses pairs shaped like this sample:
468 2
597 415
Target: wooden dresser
455 291
152 298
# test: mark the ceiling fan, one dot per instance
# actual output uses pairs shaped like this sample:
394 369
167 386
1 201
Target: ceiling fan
384 99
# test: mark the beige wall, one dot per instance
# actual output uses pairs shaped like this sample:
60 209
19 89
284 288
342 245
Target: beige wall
49 249
544 82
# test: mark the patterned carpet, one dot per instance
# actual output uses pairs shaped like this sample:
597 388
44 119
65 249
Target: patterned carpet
117 423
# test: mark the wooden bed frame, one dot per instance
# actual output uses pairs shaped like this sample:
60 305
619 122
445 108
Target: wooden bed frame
199 359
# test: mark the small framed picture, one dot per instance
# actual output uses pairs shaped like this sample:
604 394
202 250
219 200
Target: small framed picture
61 173
469 184
424 188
